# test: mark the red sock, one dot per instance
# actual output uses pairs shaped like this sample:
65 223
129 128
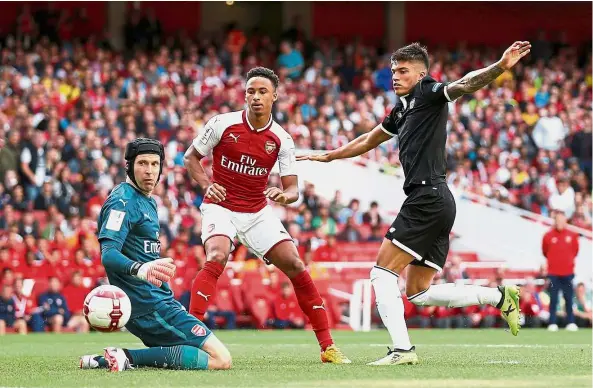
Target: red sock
309 298
203 287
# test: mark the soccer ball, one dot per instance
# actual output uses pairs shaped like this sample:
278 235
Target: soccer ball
107 308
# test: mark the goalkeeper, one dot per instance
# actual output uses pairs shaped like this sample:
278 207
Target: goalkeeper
130 252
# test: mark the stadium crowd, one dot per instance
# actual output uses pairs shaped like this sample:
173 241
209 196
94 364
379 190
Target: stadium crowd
69 105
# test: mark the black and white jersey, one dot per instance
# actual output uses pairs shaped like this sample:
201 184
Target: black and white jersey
419 119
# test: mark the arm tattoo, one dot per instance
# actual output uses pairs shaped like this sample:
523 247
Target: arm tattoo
473 81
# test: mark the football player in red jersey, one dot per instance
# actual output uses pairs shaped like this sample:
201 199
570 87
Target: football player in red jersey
245 145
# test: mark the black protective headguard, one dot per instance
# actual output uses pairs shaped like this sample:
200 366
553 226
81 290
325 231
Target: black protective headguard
143 146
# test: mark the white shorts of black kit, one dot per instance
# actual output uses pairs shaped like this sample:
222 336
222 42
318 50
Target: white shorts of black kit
423 225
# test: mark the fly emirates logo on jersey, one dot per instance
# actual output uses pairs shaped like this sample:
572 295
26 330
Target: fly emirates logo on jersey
246 165
152 247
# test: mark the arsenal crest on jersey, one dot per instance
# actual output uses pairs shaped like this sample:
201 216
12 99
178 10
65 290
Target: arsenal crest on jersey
270 146
198 331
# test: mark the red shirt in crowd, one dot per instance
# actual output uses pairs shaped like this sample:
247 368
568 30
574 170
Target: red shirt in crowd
75 296
560 248
286 309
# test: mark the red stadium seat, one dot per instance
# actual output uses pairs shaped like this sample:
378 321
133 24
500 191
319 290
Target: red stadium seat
224 300
224 281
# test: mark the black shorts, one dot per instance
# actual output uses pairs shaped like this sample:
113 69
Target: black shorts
423 225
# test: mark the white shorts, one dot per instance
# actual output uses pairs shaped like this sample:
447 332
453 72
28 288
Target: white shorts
260 232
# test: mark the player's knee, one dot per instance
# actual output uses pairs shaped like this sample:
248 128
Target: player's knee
218 255
222 360
293 267
226 362
416 295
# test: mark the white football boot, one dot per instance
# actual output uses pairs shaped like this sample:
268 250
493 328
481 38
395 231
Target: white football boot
89 361
398 357
117 359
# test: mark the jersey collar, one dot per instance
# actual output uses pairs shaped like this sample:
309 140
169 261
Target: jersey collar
404 101
246 122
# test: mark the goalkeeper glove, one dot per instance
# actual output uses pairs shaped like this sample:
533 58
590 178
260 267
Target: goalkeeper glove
155 272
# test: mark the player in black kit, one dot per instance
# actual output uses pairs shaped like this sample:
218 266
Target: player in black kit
420 233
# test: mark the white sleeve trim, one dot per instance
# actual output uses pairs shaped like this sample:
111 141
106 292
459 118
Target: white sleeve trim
447 94
196 144
208 137
287 157
386 131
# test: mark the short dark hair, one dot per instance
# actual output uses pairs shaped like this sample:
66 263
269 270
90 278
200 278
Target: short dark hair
411 52
265 73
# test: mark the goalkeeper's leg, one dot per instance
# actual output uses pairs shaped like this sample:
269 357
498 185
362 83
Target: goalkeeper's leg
175 340
213 355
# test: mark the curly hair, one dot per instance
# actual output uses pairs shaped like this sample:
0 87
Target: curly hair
265 73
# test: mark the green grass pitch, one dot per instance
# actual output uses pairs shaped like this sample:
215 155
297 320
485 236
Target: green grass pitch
448 358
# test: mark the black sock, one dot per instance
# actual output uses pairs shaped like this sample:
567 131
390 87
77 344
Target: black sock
129 356
499 305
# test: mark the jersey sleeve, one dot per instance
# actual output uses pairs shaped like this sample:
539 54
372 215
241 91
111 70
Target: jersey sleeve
116 219
287 157
209 136
435 92
389 125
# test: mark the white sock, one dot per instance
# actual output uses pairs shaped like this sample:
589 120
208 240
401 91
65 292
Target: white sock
454 295
391 306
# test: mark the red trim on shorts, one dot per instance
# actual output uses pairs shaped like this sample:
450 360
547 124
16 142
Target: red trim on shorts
274 246
219 234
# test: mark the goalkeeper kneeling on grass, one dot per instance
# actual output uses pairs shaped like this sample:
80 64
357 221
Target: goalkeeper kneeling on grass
130 252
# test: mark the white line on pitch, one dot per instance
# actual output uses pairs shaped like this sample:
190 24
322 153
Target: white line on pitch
497 345
512 362
425 345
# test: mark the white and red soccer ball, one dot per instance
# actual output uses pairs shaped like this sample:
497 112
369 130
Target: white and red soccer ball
107 308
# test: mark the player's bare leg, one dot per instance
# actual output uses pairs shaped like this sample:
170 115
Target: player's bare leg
2 327
285 256
391 261
217 248
219 356
421 293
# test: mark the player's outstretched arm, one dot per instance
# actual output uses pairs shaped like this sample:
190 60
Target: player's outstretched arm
477 79
358 146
